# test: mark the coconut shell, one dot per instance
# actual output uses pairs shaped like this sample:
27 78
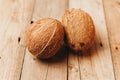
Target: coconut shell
45 37
79 28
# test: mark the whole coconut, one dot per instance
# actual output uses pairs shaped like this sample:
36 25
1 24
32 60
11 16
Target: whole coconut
79 28
45 37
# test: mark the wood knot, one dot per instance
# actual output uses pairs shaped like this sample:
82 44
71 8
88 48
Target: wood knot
32 22
70 67
101 45
34 58
116 48
19 39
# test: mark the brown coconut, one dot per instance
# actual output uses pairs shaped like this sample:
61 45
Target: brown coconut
45 37
79 28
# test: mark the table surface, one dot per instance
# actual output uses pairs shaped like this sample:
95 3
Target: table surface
101 62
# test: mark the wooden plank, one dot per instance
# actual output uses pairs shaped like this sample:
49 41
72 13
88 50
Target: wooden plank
73 67
112 13
53 69
97 65
15 16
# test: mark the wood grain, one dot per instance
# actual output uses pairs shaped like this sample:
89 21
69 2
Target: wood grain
52 69
97 65
15 16
73 67
17 63
112 13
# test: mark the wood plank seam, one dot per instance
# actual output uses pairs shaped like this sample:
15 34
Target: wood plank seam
22 64
109 39
47 72
25 47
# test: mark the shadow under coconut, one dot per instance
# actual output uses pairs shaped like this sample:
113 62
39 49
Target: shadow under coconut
86 53
97 46
60 56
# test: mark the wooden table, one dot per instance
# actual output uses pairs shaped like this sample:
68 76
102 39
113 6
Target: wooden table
102 61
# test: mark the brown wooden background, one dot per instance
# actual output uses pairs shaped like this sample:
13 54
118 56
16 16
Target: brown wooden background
101 63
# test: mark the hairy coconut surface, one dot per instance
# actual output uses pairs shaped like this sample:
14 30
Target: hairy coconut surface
45 37
79 28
